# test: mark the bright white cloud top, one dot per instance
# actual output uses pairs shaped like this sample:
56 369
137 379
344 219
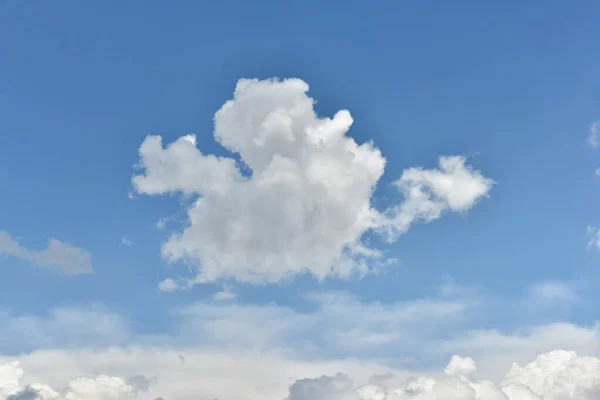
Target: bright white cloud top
429 193
102 387
557 375
304 204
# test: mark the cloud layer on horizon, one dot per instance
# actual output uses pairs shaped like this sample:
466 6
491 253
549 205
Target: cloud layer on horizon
420 333
556 375
204 350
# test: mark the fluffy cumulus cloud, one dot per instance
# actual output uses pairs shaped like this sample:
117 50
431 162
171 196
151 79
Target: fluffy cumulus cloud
173 374
454 186
102 387
558 375
58 255
495 350
297 195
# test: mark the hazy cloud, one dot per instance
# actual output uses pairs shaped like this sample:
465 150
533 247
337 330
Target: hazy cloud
126 242
58 255
594 134
593 237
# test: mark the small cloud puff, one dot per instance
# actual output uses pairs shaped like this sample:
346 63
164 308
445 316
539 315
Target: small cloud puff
126 242
225 295
168 285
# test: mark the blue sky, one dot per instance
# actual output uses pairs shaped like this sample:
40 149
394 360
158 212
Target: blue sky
513 88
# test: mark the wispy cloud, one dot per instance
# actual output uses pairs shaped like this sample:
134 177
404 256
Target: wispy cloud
594 134
63 327
58 255
594 237
553 292
126 242
339 323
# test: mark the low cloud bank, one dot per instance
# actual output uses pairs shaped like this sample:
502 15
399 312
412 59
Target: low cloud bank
102 387
557 375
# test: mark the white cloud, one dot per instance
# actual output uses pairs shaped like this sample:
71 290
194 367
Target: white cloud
126 242
65 326
58 255
10 375
594 134
168 285
206 375
426 329
558 375
553 292
337 324
304 203
594 237
330 325
494 349
102 387
338 387
225 295
430 193
264 348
